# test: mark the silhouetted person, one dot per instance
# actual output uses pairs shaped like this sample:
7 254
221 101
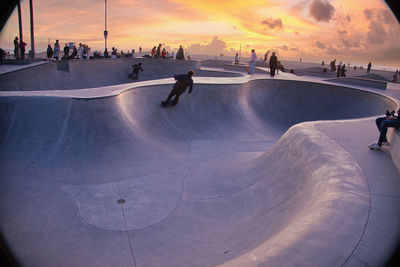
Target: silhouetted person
183 81
236 59
22 45
273 64
266 56
135 71
343 71
339 69
2 56
66 52
180 54
394 80
333 65
56 50
369 67
74 52
80 51
16 48
158 52
49 52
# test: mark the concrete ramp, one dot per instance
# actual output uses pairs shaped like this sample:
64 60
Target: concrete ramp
80 74
123 181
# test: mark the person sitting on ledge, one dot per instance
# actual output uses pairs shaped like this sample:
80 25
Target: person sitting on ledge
390 120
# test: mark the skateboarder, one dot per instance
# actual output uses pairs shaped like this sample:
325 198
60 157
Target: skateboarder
383 123
135 71
182 82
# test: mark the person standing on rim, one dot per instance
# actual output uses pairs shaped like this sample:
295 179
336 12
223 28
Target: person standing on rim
16 48
273 64
253 59
183 81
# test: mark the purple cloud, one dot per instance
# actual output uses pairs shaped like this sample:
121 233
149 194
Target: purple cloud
321 10
368 13
273 23
320 45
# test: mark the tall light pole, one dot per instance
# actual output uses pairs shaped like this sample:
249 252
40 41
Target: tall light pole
20 22
105 25
32 33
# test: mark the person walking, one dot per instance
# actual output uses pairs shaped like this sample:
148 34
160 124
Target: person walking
183 81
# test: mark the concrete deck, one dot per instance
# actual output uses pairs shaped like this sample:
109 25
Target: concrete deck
245 171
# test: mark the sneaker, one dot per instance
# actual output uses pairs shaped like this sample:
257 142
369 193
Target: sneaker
374 146
385 143
164 103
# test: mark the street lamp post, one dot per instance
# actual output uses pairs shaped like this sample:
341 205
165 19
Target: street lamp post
32 33
20 22
105 26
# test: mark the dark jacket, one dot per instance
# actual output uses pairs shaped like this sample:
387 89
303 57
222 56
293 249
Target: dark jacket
273 61
182 82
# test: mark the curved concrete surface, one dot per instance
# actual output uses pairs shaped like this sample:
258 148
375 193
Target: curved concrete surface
358 81
79 74
223 178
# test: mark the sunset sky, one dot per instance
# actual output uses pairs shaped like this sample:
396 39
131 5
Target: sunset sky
348 30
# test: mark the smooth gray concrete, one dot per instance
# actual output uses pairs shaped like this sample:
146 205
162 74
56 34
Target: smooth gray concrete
79 74
378 84
106 176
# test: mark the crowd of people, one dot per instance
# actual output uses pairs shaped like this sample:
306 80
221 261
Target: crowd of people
70 51
54 53
160 52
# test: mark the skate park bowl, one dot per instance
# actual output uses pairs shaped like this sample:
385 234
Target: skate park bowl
243 172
